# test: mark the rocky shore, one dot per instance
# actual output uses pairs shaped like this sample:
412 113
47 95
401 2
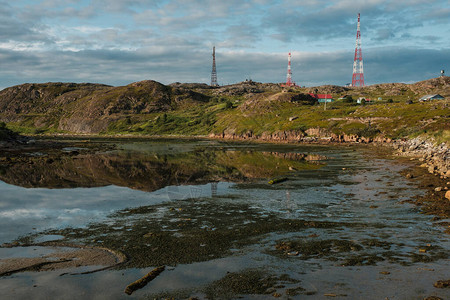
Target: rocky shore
436 158
434 161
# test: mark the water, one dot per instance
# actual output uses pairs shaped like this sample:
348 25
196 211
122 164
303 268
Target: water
338 227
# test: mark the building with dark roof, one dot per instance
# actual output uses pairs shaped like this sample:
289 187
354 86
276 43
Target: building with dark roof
431 97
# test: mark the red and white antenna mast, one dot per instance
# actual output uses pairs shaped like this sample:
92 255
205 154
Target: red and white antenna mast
358 73
289 81
289 72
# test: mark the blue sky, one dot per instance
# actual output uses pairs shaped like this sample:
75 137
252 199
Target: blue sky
117 42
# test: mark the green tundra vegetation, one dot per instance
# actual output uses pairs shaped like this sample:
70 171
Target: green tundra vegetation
149 108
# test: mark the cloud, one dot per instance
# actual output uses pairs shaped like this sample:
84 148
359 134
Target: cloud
119 67
13 29
335 20
383 34
124 6
393 64
55 10
120 41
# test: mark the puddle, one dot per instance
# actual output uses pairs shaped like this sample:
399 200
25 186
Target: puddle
71 149
36 154
47 238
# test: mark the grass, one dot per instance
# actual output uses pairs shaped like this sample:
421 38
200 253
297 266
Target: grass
267 114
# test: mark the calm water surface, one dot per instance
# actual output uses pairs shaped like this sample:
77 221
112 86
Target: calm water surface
337 227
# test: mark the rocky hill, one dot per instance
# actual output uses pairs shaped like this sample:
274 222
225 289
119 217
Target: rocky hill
244 109
87 108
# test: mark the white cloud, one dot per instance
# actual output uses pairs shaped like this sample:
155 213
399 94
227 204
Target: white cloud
119 41
22 213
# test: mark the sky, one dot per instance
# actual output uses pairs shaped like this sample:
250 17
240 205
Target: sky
118 42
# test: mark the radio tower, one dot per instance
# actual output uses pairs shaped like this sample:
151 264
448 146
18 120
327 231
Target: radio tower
289 73
214 72
358 75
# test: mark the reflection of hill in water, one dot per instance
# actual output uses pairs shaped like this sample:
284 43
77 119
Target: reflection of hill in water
150 171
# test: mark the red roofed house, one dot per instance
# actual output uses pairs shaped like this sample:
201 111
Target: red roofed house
322 98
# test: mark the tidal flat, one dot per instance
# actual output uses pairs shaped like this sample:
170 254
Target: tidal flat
86 218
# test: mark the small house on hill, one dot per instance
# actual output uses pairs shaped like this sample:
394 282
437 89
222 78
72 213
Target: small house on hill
431 97
322 98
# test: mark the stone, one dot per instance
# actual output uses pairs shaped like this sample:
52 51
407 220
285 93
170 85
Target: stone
447 195
440 284
438 189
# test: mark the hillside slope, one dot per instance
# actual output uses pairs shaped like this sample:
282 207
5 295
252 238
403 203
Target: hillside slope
86 108
244 110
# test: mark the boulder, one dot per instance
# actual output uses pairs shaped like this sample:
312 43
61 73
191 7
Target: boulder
431 169
447 195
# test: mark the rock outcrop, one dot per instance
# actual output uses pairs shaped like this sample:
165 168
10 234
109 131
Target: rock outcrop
435 158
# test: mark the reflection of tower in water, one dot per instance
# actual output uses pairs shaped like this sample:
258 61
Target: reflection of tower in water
288 203
213 189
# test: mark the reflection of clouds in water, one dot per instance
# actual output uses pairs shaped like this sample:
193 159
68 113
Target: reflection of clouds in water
183 192
315 278
188 276
107 197
23 213
19 286
25 210
111 284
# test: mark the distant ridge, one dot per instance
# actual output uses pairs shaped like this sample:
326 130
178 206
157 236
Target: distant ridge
196 108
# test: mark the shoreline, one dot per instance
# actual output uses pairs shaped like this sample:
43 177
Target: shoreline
436 158
431 162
